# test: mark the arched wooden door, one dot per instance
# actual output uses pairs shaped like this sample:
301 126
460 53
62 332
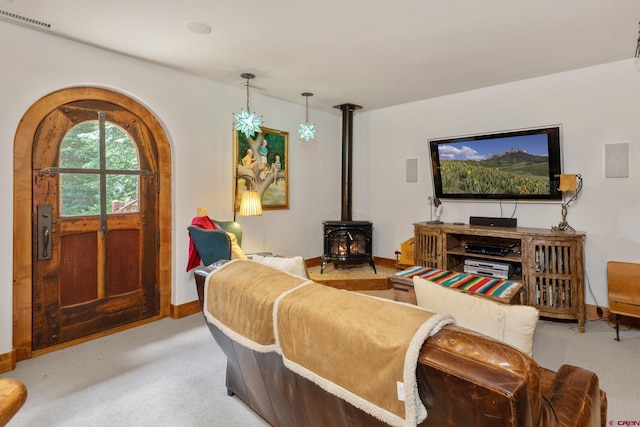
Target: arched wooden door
92 215
95 233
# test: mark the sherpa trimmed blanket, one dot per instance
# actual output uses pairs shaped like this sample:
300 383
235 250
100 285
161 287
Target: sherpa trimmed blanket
359 348
239 298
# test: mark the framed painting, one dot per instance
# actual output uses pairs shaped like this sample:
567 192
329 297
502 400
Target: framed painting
261 163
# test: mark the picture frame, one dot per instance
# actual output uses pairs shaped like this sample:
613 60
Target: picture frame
266 171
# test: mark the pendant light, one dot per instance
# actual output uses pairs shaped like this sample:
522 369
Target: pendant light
307 131
247 122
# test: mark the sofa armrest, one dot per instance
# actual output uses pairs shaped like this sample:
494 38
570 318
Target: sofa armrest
200 275
575 395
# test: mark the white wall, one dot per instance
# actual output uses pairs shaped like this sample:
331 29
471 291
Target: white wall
595 106
197 116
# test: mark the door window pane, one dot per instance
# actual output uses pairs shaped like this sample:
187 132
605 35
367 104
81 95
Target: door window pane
80 194
120 151
80 149
122 193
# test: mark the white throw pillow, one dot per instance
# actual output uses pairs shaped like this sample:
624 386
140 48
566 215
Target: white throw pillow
470 312
294 265
521 322
236 251
512 324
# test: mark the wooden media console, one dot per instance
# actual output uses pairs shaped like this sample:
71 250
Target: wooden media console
549 264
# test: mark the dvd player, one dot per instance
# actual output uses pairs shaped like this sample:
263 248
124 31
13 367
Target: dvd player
479 248
490 265
496 274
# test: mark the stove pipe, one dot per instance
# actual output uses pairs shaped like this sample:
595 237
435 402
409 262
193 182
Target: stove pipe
347 152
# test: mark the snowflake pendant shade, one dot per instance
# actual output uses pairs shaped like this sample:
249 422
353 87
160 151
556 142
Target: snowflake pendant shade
247 122
307 131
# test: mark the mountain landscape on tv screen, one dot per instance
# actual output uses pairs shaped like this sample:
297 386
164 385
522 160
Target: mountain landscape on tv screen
513 171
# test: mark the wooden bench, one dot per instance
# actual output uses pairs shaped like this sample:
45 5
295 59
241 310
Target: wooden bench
624 290
504 291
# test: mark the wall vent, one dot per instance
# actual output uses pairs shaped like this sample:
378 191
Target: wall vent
13 17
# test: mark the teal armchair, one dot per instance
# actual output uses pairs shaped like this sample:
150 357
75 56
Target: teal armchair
212 245
215 245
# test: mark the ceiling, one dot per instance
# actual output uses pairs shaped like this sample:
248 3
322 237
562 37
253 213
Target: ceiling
373 53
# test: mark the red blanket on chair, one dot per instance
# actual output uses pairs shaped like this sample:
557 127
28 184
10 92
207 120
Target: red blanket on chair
202 222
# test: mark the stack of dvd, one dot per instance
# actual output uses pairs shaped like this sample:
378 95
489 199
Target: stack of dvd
497 270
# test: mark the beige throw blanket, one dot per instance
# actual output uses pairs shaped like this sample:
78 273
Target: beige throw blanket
359 348
239 300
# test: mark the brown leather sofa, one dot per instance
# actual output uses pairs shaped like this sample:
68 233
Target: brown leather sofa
464 379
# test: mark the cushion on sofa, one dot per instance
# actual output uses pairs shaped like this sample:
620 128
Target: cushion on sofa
294 265
520 326
236 250
512 324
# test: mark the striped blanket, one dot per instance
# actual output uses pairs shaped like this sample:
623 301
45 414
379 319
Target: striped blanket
467 282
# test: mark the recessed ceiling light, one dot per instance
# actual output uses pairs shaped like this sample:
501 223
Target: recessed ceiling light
198 27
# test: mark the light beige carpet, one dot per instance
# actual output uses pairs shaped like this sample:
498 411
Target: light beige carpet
171 373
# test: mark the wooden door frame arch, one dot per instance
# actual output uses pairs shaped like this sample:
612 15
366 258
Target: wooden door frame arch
23 201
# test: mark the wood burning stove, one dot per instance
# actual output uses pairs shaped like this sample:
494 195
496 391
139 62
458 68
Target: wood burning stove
347 242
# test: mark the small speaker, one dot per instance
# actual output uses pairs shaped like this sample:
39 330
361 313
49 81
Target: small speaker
412 170
493 222
616 160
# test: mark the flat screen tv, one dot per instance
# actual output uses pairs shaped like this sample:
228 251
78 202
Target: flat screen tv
512 165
